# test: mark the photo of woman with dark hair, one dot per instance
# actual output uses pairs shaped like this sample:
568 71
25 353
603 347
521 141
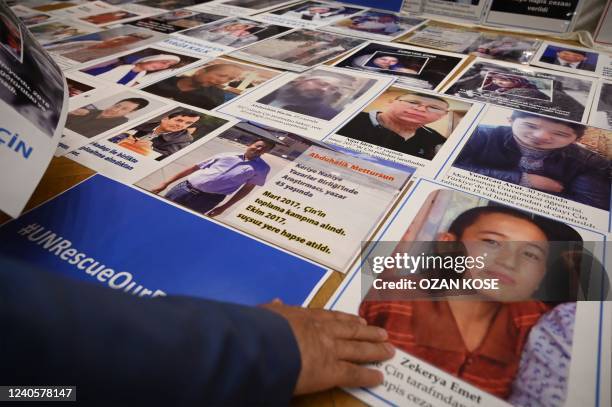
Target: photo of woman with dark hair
513 85
478 335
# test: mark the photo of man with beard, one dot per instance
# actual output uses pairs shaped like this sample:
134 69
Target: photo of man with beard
315 94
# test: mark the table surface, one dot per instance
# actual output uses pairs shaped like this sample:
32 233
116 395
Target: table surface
64 173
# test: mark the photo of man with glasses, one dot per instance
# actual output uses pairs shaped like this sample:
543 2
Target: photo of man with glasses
401 125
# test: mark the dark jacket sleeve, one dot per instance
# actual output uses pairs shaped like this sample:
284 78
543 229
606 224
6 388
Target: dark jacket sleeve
591 188
480 145
122 350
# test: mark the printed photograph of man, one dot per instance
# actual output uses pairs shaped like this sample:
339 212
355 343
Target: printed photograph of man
570 58
555 94
169 4
385 61
412 123
10 37
315 11
522 252
211 85
235 32
144 65
76 88
46 5
108 17
503 48
421 68
58 31
541 153
376 24
30 17
208 183
601 116
305 48
517 86
175 21
103 43
469 2
213 177
318 93
168 133
99 117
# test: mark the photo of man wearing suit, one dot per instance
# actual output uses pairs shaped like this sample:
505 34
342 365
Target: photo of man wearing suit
570 58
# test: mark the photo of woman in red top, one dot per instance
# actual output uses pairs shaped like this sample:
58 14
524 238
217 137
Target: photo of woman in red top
479 336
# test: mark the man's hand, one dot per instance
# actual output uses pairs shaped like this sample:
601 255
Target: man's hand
544 183
332 344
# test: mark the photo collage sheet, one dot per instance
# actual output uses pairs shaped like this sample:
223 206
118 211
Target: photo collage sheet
317 126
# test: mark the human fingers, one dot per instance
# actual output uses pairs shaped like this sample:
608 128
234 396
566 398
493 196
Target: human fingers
358 332
352 375
337 316
363 351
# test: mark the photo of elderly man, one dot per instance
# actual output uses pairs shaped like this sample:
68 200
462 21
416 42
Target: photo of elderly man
319 94
206 184
399 121
539 152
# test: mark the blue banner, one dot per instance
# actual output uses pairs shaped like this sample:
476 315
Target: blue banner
108 233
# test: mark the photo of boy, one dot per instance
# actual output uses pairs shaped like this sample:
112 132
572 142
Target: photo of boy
541 153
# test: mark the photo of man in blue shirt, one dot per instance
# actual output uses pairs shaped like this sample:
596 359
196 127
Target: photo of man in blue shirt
206 184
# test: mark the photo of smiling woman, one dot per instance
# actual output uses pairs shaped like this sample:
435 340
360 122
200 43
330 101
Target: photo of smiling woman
478 335
558 157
